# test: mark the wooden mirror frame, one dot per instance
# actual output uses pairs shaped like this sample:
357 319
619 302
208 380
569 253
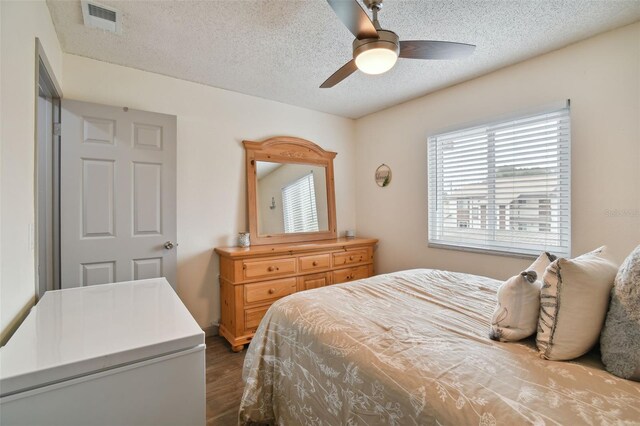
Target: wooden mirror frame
285 149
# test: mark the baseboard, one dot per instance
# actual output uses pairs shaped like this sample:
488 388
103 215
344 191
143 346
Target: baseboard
11 328
212 330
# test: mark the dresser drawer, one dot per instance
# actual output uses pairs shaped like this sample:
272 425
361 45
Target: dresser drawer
350 274
308 282
350 257
269 290
314 263
253 316
268 268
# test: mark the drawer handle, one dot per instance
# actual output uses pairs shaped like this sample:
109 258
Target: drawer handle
350 257
272 290
273 268
314 263
349 277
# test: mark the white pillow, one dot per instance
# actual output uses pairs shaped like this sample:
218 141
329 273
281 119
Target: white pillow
573 304
516 315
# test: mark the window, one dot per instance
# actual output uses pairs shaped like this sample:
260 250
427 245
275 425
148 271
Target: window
299 206
503 187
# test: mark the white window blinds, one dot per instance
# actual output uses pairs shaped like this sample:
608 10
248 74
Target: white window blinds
299 206
503 187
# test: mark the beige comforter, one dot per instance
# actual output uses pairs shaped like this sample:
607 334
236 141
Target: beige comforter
412 348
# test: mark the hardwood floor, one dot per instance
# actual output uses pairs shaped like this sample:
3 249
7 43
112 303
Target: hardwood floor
224 382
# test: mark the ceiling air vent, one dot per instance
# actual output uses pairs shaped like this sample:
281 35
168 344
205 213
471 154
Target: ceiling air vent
97 15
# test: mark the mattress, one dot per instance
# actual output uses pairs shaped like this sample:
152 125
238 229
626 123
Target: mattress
412 348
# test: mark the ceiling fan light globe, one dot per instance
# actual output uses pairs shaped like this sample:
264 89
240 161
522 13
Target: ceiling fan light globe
376 61
377 55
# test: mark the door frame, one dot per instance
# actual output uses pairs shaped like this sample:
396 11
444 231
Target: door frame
46 85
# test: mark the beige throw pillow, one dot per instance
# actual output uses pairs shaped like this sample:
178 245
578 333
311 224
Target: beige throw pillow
620 338
573 304
516 314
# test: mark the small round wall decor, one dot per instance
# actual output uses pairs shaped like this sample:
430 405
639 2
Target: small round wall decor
383 175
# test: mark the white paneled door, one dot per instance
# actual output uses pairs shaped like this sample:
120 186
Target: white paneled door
118 195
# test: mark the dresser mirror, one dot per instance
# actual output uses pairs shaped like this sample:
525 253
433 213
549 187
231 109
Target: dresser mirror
290 191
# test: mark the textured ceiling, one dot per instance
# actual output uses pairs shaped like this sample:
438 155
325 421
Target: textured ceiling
283 50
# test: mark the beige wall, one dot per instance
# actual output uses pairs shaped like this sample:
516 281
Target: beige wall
210 166
600 75
21 23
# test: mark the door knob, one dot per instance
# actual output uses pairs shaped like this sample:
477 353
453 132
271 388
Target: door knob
169 245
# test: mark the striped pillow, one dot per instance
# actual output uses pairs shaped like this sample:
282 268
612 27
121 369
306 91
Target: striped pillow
573 304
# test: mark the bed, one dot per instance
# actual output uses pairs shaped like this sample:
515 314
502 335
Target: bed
412 348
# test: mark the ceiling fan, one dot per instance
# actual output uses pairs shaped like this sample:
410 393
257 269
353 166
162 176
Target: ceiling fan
375 50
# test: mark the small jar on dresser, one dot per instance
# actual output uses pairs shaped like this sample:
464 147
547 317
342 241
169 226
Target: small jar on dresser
252 278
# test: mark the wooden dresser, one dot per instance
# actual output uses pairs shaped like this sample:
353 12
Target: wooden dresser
251 279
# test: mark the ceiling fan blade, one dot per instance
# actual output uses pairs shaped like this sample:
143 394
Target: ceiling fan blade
345 71
430 49
354 17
